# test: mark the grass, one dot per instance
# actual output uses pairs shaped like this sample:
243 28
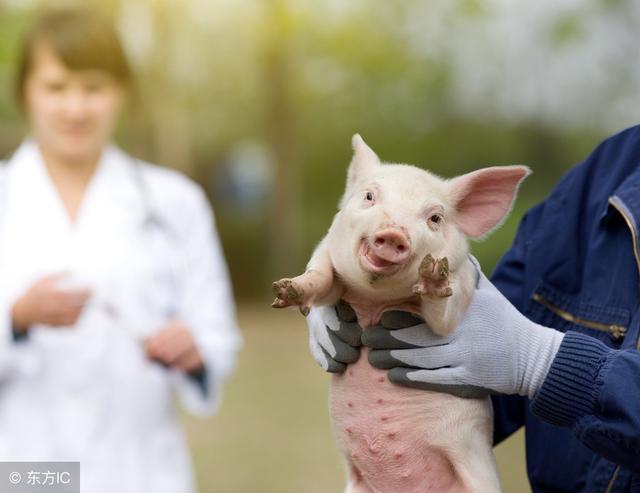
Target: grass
272 434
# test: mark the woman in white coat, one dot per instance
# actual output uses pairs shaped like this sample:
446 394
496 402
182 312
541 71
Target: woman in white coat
114 293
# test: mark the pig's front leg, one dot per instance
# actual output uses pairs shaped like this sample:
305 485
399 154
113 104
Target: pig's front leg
299 291
434 278
316 285
442 307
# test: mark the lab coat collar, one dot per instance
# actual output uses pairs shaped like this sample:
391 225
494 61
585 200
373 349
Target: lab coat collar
114 178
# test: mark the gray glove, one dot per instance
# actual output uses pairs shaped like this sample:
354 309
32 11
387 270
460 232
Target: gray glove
334 336
495 349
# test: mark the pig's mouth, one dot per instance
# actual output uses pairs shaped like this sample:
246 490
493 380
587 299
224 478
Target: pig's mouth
375 263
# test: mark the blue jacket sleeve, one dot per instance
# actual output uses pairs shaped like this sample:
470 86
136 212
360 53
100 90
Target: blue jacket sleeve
585 390
509 278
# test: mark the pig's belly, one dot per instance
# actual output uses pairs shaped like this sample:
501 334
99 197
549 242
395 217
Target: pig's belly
403 440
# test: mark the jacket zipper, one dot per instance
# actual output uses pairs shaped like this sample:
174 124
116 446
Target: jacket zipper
615 202
612 480
616 331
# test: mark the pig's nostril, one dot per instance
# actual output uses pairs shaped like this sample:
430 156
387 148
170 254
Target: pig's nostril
378 241
401 248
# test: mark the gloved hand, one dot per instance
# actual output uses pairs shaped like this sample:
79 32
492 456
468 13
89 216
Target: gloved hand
334 336
495 349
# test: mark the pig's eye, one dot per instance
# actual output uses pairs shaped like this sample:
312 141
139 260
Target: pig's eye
368 199
435 221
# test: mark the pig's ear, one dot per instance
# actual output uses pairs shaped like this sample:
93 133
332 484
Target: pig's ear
483 198
363 162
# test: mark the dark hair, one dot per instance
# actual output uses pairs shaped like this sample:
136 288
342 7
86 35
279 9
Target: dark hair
83 39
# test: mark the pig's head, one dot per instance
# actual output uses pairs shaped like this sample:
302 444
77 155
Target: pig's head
392 215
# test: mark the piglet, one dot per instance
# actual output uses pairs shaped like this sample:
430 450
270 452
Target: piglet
399 242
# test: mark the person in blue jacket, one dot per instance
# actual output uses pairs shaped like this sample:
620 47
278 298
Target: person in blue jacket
555 334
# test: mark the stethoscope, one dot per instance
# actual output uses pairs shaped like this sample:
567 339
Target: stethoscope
153 224
152 218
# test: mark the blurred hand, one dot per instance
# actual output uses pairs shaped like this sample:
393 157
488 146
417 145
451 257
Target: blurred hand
46 303
175 347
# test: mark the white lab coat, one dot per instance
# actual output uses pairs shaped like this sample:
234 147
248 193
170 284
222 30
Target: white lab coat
87 393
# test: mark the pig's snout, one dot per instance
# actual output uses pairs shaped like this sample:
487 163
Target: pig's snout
391 245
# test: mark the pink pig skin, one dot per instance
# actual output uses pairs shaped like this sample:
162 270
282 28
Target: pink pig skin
402 440
399 241
398 440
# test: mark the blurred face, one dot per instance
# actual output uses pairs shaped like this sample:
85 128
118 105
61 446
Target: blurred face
72 113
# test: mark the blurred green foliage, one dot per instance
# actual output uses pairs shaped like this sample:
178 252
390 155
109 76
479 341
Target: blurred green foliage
301 78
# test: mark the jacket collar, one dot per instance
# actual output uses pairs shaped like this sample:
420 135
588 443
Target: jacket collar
626 200
628 193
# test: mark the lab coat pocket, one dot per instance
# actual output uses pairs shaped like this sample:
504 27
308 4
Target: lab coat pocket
158 293
158 288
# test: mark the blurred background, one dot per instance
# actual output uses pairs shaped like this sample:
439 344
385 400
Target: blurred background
257 100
